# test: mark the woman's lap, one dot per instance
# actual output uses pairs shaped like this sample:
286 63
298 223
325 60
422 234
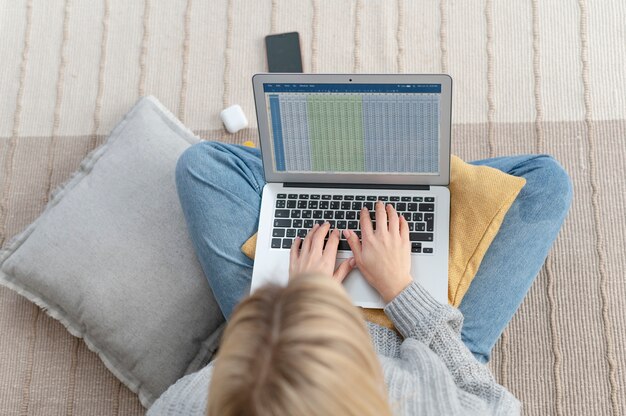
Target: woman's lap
220 187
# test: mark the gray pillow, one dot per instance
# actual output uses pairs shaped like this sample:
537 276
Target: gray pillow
111 259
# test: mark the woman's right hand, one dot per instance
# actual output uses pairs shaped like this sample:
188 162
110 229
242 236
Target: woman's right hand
383 256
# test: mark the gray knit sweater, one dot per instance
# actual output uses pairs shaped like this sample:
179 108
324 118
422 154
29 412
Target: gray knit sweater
429 372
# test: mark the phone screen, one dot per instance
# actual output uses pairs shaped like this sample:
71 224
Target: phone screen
283 52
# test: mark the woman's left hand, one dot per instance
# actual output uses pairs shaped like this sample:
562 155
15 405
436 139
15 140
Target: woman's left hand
310 256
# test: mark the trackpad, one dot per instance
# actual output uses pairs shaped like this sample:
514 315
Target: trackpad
360 291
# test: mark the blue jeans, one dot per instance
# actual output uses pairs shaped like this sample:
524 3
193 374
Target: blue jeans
219 186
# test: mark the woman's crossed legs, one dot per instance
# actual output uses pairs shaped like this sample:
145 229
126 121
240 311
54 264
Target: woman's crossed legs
220 185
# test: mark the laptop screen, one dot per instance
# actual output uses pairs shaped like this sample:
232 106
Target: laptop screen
354 128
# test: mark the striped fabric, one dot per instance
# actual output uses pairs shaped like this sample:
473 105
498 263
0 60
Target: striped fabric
529 77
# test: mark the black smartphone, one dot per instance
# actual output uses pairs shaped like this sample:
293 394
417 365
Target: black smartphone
283 52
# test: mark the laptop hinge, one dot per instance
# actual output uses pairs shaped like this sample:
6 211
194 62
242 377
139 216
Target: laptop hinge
355 186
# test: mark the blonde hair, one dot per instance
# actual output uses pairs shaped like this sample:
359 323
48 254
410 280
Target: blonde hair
297 350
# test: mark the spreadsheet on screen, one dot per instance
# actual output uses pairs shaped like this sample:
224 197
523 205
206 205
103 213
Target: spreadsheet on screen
354 128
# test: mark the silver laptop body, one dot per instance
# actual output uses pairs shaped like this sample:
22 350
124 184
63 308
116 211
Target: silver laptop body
343 140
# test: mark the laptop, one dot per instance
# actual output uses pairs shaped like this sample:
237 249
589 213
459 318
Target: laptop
333 143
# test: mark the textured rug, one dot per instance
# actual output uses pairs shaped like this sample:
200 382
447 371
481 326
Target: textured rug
529 77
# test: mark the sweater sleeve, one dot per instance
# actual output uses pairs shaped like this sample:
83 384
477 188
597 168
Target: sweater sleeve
418 316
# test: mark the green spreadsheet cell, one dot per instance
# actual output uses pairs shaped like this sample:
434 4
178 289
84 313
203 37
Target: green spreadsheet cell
335 131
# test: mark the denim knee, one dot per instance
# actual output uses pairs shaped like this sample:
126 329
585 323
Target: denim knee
220 164
558 181
191 156
194 155
546 177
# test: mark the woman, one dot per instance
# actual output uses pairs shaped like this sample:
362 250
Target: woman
434 366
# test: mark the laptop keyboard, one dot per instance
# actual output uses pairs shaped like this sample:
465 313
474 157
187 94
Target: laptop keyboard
295 215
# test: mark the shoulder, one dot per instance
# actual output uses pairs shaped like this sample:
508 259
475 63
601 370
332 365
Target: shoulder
188 396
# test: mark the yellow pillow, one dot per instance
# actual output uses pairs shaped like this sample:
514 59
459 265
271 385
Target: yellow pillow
480 196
